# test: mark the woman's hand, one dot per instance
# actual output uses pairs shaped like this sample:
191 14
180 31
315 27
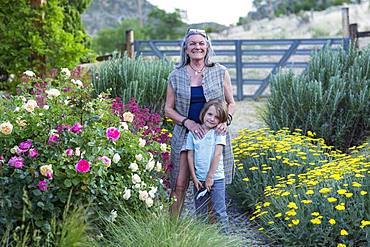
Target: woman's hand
195 128
221 129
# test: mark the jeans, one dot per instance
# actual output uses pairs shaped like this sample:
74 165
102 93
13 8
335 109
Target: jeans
217 197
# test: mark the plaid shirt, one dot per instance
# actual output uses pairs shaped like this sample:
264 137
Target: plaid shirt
213 87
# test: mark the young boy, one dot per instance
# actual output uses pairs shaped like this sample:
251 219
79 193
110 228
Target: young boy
205 161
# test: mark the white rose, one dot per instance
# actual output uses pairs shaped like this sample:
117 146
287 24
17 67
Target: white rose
149 202
65 72
153 191
113 215
14 149
143 195
46 107
163 147
77 151
150 165
136 186
139 157
124 125
116 158
136 179
128 117
127 194
158 166
17 109
134 167
53 92
6 128
142 142
29 73
30 105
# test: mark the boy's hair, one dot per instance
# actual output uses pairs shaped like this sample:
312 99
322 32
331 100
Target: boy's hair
221 109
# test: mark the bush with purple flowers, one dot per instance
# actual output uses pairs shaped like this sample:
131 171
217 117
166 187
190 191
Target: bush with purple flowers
56 140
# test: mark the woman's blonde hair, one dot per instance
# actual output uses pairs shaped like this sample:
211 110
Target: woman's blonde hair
221 109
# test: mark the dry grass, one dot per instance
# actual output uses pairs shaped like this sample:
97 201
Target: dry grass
247 115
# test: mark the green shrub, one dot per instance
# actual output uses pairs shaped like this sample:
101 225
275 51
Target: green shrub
55 138
332 98
146 80
159 229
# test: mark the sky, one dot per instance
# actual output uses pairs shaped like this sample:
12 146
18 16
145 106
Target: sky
224 12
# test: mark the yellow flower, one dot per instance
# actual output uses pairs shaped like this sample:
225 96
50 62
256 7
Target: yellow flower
278 215
266 204
270 222
295 222
341 191
348 195
261 229
343 232
340 207
315 214
306 201
292 205
341 245
316 221
362 192
310 192
286 193
291 213
364 223
246 179
325 190
355 184
332 199
253 168
332 221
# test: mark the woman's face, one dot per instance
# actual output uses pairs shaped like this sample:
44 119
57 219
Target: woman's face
196 47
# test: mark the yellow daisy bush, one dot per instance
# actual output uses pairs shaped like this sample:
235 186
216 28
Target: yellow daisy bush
312 190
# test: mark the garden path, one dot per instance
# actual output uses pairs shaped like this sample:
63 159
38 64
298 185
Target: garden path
247 115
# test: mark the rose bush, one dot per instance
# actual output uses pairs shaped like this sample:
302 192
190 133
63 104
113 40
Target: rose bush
56 140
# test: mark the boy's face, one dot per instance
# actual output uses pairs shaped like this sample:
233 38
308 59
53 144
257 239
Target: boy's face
211 119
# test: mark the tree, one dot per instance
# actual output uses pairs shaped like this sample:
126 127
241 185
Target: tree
21 37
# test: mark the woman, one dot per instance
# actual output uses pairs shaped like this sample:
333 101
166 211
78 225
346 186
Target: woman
194 82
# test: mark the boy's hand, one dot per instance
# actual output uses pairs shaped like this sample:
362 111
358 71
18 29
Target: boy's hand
209 183
197 184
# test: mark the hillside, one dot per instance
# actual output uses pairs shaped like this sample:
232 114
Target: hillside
327 23
109 13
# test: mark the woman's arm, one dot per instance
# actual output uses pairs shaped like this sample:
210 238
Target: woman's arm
214 165
170 112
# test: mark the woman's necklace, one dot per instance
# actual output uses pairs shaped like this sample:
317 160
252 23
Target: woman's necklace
195 70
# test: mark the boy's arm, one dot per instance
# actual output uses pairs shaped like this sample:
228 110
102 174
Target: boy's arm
214 165
190 156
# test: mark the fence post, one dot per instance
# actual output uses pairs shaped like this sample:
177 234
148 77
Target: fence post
353 33
345 22
130 43
239 70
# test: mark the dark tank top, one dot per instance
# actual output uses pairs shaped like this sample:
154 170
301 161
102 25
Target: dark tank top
197 101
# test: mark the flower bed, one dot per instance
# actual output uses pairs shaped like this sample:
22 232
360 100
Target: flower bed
57 141
304 192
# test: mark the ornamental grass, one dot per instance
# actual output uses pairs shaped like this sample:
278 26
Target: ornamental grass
320 200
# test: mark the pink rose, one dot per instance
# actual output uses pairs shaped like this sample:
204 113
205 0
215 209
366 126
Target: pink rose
69 152
33 153
42 185
24 146
53 138
16 162
83 166
106 160
2 158
76 128
113 133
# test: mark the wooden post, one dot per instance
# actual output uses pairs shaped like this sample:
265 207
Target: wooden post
353 33
130 43
345 22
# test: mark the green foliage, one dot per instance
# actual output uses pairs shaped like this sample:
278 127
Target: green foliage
160 229
332 98
26 42
145 80
50 134
160 26
112 39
